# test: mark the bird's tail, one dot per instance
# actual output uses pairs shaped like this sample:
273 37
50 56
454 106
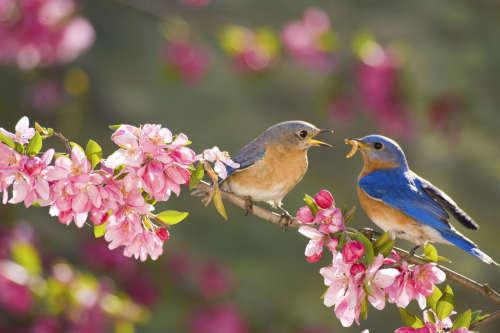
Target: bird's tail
467 245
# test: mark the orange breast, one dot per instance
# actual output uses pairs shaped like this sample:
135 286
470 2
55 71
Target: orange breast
397 223
279 170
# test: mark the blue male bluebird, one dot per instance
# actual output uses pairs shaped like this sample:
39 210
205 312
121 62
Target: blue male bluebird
273 163
403 203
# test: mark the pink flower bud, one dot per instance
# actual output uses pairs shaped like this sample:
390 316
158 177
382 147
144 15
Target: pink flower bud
163 234
357 270
314 258
324 199
352 251
304 215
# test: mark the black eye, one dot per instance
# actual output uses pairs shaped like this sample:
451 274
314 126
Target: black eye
303 134
378 145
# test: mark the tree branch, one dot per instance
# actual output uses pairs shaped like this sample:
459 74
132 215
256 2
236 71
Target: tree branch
275 218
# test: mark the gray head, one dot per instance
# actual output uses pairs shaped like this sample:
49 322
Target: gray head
294 133
379 150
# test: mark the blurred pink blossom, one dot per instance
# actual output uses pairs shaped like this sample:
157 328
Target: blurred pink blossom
189 61
15 296
214 280
310 40
196 3
37 33
220 319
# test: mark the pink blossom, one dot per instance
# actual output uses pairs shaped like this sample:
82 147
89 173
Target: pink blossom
324 199
415 282
376 280
33 185
433 325
353 251
189 61
330 220
220 160
24 132
126 137
343 292
314 248
310 40
75 188
304 215
15 296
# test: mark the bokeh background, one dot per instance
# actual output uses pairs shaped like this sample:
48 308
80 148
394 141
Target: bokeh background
222 71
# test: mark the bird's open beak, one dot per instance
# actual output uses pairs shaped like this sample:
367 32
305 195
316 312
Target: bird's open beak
314 142
355 145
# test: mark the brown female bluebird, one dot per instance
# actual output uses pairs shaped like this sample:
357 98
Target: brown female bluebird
404 204
273 163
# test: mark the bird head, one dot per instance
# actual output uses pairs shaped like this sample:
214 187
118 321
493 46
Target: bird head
378 149
295 134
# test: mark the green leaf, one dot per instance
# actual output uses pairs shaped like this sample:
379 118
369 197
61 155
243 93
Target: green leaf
445 304
171 217
8 141
35 144
311 204
74 144
19 148
477 316
114 127
383 244
433 299
369 253
26 255
410 319
430 252
444 259
462 320
218 203
93 151
196 176
99 230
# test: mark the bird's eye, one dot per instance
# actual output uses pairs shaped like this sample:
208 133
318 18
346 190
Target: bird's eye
303 134
378 145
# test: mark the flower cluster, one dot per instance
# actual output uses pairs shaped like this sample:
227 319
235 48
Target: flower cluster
358 275
42 32
310 41
433 324
117 194
251 50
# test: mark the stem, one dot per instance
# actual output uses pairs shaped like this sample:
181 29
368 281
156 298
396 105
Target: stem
66 142
275 218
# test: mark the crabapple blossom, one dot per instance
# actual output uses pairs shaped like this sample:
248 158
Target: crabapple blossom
433 325
353 251
314 248
23 133
220 160
304 215
343 292
377 279
324 199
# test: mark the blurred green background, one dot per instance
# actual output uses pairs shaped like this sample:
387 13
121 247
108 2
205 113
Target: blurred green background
447 46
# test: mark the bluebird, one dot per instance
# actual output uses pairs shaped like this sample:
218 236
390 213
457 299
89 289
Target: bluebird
404 204
273 163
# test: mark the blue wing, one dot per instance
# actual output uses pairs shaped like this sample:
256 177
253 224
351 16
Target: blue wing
403 190
248 155
414 196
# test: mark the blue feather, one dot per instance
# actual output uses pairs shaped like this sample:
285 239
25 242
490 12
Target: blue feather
405 191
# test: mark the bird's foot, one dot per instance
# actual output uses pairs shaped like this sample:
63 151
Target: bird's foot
285 219
248 205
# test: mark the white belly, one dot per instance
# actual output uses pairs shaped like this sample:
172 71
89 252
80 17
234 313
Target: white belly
275 194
